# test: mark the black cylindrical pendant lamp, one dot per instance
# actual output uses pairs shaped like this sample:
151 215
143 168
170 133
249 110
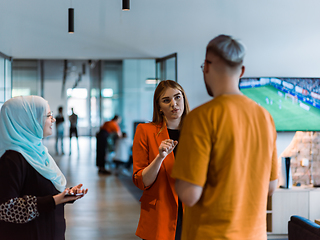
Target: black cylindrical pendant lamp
71 20
125 5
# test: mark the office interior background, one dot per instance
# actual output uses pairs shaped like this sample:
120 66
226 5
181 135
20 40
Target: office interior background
103 67
113 60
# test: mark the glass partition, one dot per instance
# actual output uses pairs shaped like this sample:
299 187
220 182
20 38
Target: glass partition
8 79
5 78
166 68
111 90
123 87
95 101
137 92
2 80
25 76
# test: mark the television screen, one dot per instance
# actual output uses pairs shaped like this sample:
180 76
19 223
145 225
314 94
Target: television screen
294 103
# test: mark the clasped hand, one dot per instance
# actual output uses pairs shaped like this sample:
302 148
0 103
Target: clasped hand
166 147
74 193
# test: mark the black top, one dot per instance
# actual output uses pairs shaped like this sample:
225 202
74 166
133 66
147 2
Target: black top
174 134
27 208
59 119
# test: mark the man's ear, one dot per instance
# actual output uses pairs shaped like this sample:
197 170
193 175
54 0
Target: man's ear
242 71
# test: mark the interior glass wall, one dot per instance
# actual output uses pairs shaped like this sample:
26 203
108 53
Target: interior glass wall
166 68
56 77
111 90
112 87
2 82
95 98
77 99
5 78
8 79
137 92
25 76
67 84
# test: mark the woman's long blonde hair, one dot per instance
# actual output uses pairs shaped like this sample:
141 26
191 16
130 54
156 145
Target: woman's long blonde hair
161 88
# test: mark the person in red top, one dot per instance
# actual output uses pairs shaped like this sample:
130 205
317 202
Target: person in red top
108 128
113 126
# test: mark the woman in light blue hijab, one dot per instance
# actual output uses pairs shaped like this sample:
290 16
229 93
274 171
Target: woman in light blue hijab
33 189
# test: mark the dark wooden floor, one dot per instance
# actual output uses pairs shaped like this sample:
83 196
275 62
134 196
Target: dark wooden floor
110 210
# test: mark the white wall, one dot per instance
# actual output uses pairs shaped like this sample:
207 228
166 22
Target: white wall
282 38
283 141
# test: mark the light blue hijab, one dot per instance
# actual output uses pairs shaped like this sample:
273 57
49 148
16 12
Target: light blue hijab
21 129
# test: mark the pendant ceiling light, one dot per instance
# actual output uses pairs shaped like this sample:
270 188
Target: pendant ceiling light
125 5
71 20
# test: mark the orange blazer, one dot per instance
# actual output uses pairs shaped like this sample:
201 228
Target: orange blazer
159 202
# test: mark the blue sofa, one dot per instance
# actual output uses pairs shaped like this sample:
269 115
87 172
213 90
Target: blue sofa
300 228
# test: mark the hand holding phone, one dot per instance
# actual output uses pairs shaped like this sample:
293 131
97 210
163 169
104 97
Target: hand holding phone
71 194
76 191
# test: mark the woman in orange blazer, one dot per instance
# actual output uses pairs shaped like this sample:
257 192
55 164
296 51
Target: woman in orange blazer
153 157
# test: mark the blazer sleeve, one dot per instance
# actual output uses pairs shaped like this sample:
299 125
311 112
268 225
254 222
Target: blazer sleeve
140 154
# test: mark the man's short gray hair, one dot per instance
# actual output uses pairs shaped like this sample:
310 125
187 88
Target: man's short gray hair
228 49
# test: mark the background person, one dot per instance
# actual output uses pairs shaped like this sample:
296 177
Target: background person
153 158
32 193
73 119
59 130
108 131
227 159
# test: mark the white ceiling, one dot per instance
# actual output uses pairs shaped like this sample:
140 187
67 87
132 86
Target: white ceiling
282 36
274 29
38 28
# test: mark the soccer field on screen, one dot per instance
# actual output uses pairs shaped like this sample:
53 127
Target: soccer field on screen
287 115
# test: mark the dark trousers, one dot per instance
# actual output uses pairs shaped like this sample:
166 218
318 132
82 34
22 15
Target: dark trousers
101 137
73 130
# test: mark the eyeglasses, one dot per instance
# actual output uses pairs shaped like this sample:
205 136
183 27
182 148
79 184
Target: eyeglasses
49 115
205 61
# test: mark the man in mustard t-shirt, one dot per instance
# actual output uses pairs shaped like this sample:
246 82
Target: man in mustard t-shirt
226 162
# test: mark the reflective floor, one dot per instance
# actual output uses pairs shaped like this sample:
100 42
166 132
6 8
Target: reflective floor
110 210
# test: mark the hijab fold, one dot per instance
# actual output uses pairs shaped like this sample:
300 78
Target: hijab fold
21 129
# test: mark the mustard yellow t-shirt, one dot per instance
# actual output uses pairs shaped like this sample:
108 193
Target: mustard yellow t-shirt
228 147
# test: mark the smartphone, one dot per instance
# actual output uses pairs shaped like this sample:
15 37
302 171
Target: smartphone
72 195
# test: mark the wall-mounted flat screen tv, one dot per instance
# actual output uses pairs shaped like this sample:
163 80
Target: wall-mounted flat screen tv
294 103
